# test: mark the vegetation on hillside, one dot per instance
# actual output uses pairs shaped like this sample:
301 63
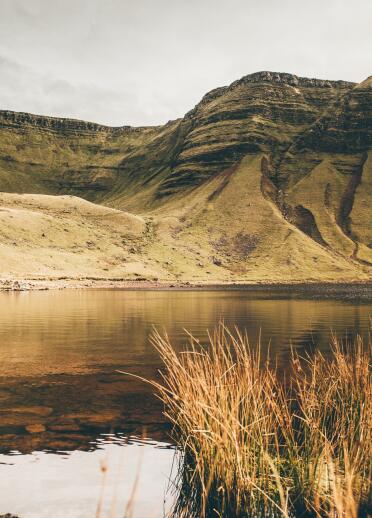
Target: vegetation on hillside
265 180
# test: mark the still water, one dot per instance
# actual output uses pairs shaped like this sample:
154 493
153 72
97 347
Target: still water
66 413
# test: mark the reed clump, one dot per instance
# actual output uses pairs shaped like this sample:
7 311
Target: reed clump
257 444
329 448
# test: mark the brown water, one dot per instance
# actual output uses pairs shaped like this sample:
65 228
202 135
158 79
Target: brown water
64 408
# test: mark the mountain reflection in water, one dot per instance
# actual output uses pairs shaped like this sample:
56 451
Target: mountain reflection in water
60 390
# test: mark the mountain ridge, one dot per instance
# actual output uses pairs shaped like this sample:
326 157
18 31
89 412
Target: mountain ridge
279 77
305 142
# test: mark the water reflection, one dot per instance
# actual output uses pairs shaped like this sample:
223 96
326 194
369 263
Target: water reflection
81 332
59 389
72 484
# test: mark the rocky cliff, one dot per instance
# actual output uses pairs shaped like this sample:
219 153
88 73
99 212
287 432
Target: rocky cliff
269 178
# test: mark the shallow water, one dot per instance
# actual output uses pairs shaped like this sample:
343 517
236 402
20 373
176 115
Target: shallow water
64 408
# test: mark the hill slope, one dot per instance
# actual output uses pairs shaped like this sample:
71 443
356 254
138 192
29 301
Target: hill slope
268 179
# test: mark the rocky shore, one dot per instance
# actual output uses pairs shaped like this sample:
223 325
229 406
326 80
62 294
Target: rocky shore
346 290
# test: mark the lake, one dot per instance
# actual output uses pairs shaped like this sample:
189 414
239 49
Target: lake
74 432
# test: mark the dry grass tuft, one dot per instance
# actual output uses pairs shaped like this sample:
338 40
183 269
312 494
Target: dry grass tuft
255 445
330 452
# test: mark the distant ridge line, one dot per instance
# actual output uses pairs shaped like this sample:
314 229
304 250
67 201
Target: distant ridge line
18 119
69 124
277 78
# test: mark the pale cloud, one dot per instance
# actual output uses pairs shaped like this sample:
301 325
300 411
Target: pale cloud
24 89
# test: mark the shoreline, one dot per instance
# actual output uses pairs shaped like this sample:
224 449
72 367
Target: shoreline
314 289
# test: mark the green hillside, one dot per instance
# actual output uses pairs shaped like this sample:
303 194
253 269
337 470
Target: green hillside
268 179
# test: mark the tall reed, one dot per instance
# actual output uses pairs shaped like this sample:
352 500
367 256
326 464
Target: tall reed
330 446
255 445
220 400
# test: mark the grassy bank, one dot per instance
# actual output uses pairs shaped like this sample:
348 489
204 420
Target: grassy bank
258 443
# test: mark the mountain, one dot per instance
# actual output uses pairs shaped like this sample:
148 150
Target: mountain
267 179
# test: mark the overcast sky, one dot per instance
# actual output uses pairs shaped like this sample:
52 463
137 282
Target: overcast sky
143 62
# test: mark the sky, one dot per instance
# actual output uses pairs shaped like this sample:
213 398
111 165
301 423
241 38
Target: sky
144 62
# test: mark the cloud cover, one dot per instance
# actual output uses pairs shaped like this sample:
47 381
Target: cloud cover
147 61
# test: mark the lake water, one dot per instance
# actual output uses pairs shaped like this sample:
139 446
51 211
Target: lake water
65 412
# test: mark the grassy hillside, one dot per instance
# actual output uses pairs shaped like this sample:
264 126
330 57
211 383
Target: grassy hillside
268 179
185 239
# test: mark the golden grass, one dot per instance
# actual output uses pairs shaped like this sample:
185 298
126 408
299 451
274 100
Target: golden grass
254 444
331 456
